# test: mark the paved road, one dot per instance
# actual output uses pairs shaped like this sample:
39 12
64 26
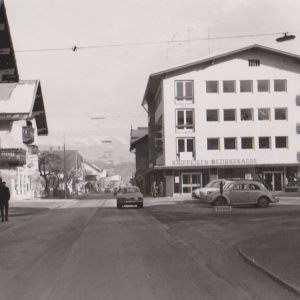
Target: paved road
88 249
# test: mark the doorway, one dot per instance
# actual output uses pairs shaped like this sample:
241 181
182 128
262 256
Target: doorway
274 180
190 182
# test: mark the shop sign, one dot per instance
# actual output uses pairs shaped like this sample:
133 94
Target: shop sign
214 162
177 180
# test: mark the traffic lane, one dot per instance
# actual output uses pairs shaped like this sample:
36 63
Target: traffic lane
216 236
128 254
34 249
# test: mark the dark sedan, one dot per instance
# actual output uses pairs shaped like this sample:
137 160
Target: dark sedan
130 195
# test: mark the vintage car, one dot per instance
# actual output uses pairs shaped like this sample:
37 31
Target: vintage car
242 192
213 186
130 195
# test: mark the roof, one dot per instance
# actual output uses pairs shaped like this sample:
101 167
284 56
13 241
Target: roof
137 135
8 65
155 78
23 100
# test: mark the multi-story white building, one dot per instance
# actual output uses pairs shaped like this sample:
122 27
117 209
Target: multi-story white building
233 115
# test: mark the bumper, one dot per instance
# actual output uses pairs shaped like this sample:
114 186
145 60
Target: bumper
130 201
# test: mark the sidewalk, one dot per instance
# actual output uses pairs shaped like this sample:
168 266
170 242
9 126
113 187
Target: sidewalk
277 255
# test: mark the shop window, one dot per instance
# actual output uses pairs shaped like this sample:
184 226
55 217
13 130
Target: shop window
212 87
263 85
185 148
246 86
229 114
280 114
212 115
185 120
280 85
264 142
229 143
247 142
246 114
280 142
229 86
184 91
263 114
213 144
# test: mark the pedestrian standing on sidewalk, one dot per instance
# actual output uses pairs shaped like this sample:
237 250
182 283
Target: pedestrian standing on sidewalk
161 189
4 198
153 189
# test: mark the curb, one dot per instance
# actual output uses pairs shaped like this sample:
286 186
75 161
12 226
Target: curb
271 275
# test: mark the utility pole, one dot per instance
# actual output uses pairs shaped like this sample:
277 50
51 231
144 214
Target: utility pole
65 172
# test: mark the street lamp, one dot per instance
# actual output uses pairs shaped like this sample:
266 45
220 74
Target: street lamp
285 38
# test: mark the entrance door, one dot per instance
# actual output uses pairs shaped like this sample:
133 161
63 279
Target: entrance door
190 182
274 180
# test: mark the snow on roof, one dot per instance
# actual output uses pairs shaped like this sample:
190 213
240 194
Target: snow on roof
18 97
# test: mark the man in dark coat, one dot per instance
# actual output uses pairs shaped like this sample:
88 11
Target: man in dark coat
4 198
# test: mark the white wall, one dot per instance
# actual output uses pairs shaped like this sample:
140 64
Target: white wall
272 67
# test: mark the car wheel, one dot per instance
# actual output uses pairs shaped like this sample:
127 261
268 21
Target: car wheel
220 201
263 202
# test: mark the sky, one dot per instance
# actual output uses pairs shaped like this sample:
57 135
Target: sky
94 94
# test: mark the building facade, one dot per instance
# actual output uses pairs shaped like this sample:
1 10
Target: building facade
234 115
22 120
140 145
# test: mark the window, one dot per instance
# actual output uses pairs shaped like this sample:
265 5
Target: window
279 85
246 114
247 143
280 114
246 86
240 187
229 114
213 144
280 142
229 86
263 85
184 91
264 142
185 120
229 143
212 87
263 114
212 115
185 148
253 187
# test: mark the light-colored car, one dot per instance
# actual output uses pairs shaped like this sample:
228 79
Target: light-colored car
242 192
130 195
212 186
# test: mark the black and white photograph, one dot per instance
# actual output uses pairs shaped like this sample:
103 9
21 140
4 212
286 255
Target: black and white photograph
149 150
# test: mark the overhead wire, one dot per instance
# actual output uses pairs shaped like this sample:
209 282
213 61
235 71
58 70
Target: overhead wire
75 48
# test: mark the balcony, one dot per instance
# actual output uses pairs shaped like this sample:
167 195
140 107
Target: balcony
12 157
28 135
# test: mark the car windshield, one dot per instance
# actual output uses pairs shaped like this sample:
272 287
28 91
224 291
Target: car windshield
213 184
130 190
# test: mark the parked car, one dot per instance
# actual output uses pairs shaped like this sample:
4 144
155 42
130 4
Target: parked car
213 186
107 190
242 192
130 195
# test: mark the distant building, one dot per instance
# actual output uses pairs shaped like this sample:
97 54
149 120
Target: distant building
233 115
22 120
93 178
140 145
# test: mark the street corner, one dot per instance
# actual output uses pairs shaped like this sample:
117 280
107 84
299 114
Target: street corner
277 255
